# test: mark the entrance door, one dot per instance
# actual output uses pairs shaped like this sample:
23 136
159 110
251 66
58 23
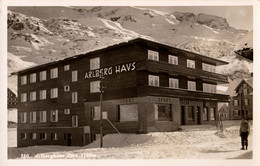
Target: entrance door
182 115
69 139
198 114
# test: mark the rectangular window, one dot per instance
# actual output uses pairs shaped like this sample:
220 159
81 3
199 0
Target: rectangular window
66 111
42 94
74 76
235 112
153 80
74 121
94 86
23 136
43 136
54 73
95 113
128 113
42 75
94 63
191 113
212 113
66 88
23 117
162 112
153 55
235 102
205 114
23 80
66 67
74 97
209 88
246 101
32 117
244 85
23 97
33 78
54 115
54 92
173 83
245 91
190 63
54 136
173 59
33 135
192 85
208 67
33 96
43 116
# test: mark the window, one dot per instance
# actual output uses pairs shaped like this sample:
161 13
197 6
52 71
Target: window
208 67
191 63
74 97
42 75
33 135
32 96
74 121
236 112
128 113
54 136
54 115
67 111
94 86
191 85
245 91
212 113
163 112
153 55
43 116
54 73
205 113
173 83
191 113
95 113
173 59
33 78
235 102
23 117
153 80
209 88
74 76
66 67
94 63
23 135
23 80
66 88
42 94
32 117
246 101
43 136
23 97
244 85
54 92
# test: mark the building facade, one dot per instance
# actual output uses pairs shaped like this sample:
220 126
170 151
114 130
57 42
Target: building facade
148 87
241 100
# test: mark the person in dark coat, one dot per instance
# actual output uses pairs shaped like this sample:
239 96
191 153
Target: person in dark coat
244 132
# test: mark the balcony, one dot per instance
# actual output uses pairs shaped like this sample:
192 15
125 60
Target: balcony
157 66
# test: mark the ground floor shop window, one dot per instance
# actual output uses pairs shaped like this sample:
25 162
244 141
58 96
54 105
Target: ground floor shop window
127 113
212 114
205 114
191 113
163 112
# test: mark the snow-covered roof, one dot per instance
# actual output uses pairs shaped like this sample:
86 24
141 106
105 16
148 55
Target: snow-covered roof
234 85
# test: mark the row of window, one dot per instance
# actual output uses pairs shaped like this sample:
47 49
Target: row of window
174 83
43 95
153 55
238 112
236 102
43 136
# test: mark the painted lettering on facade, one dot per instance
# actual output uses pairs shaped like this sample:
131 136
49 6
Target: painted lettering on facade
110 70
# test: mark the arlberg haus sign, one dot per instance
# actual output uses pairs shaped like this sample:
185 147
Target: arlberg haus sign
110 70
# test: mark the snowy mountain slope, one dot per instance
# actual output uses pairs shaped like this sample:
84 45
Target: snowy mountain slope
46 34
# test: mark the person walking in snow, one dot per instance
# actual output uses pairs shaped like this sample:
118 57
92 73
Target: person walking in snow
244 132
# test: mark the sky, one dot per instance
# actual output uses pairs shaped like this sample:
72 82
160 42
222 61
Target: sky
240 17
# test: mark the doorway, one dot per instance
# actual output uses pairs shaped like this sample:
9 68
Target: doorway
182 115
69 139
198 114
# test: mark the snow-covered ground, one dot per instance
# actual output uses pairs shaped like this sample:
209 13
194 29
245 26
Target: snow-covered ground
205 142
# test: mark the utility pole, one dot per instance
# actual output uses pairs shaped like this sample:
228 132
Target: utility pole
101 116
